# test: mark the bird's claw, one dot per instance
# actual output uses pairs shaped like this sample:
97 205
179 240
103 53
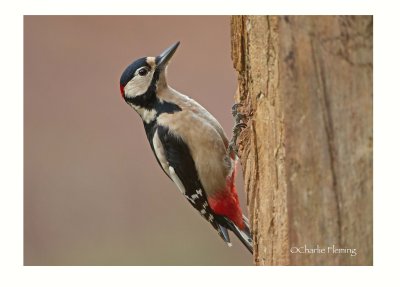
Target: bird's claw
235 107
237 129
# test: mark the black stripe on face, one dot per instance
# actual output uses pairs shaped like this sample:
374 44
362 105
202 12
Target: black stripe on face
148 100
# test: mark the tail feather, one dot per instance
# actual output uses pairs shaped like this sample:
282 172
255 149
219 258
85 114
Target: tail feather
244 235
223 232
246 222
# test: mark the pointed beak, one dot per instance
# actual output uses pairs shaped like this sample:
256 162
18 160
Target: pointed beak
163 59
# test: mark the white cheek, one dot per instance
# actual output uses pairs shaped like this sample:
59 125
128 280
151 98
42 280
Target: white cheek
138 85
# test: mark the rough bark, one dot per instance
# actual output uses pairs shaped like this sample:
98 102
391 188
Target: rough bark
305 84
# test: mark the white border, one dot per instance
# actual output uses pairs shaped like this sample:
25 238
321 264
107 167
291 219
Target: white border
386 155
196 7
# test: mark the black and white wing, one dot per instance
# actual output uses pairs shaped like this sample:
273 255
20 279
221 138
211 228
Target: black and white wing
175 158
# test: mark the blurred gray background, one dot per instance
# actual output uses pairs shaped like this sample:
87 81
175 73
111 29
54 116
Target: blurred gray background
93 191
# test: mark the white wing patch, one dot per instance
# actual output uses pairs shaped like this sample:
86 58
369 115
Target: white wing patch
160 153
176 179
196 198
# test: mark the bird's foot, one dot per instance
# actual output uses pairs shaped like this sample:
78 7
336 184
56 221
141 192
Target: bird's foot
237 129
235 113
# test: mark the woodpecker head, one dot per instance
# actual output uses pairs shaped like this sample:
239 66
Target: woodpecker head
141 79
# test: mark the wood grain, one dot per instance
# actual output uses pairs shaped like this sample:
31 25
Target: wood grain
305 83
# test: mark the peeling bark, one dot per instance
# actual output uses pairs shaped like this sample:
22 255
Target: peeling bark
305 84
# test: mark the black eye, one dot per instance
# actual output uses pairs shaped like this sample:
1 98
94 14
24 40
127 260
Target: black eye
143 72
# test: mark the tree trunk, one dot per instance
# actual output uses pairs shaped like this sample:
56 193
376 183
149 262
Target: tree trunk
305 85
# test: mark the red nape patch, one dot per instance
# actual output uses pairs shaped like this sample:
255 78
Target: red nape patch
121 88
226 203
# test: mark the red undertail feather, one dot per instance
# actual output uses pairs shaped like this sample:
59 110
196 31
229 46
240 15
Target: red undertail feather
226 202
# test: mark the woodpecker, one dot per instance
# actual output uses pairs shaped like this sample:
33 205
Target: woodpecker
189 144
